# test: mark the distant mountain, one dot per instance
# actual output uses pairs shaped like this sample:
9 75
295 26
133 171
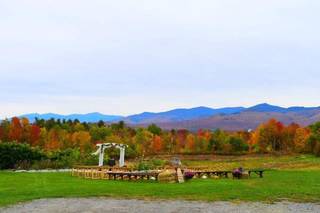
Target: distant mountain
249 118
230 118
266 108
180 115
242 121
271 108
90 117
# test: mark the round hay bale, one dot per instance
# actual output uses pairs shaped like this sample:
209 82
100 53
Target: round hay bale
245 175
216 177
168 176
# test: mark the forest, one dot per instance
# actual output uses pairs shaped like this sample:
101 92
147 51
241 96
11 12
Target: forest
62 143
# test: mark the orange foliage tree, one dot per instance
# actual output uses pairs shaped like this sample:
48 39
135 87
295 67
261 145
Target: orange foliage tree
15 130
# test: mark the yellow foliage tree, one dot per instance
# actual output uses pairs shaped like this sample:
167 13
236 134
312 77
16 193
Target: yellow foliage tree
301 138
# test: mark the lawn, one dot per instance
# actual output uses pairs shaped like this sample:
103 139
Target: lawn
295 178
286 162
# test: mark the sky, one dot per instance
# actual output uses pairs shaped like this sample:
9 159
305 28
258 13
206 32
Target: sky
125 57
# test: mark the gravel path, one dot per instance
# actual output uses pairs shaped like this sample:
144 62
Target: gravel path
139 206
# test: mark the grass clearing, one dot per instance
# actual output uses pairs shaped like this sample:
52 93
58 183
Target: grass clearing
281 182
294 162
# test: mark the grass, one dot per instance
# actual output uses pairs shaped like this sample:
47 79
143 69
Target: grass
294 162
278 184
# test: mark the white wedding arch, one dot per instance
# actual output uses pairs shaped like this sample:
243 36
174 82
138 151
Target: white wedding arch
103 146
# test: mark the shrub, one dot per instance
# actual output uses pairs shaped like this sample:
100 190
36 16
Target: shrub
238 145
12 154
151 164
47 164
316 150
143 166
131 152
90 159
65 158
158 163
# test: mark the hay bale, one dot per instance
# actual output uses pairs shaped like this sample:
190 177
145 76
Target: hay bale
215 177
245 175
168 176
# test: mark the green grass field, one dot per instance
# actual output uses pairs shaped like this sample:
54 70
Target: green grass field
278 184
287 162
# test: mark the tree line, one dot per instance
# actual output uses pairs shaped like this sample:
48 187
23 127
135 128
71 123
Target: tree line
58 135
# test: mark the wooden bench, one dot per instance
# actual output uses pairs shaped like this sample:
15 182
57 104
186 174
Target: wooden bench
259 172
247 174
132 175
210 173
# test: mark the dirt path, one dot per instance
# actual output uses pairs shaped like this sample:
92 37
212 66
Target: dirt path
138 206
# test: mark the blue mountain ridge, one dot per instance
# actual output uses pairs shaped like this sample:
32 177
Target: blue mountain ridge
90 117
174 115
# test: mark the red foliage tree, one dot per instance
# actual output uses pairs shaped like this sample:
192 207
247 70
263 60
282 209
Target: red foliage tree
16 130
35 132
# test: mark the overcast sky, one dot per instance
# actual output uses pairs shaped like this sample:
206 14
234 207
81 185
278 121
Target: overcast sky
125 56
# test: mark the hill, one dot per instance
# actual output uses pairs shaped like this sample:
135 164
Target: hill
229 118
180 115
90 117
249 118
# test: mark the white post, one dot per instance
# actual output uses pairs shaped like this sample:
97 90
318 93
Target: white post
121 160
101 155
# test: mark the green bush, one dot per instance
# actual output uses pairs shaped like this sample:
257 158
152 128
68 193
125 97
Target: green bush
47 164
143 166
65 158
90 159
238 144
151 164
158 162
14 154
131 152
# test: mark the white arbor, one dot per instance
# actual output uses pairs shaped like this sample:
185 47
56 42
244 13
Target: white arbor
103 146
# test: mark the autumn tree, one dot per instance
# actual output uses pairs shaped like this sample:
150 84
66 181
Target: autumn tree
301 139
143 140
154 129
181 137
82 139
217 141
238 144
289 133
253 141
25 130
52 142
157 144
99 133
4 130
314 140
15 130
190 145
270 137
34 135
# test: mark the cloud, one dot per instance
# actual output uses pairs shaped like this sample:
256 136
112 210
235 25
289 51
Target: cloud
131 56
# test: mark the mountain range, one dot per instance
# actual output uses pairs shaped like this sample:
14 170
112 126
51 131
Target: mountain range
229 118
90 117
